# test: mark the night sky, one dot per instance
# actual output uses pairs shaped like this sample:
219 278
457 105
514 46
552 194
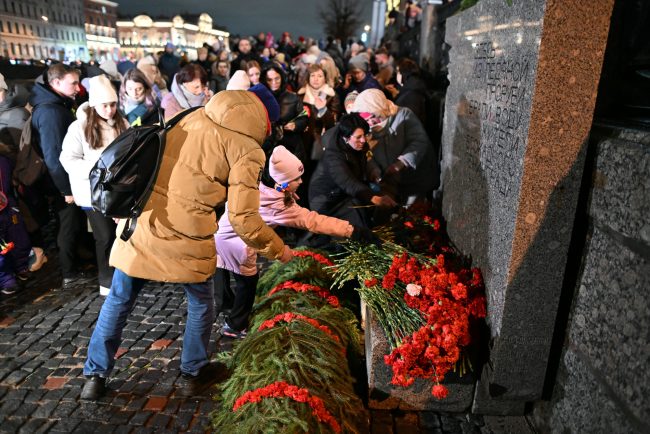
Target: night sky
246 17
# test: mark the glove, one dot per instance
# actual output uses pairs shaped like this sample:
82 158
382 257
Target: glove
365 236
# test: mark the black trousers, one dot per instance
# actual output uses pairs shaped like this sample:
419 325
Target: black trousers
242 297
104 234
71 224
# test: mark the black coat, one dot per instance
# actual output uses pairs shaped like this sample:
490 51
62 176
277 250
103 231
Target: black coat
290 108
413 95
51 117
342 173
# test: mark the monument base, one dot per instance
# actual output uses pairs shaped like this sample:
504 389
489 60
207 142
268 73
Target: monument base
382 395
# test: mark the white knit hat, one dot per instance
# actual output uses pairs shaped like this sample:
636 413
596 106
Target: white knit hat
101 91
374 101
239 81
284 166
3 84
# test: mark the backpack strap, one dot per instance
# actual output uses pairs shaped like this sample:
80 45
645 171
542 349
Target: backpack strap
132 221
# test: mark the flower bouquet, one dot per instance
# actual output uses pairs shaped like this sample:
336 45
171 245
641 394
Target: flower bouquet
424 299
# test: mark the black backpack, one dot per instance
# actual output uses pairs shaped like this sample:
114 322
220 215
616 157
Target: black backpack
123 177
30 165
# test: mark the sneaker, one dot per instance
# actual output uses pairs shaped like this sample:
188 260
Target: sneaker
39 259
103 291
94 388
232 333
8 291
209 375
22 275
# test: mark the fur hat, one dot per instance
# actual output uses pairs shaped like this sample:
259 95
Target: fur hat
100 91
269 101
360 61
239 81
284 167
374 101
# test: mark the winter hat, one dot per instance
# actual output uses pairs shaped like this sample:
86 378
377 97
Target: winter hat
100 91
350 98
170 45
284 167
108 66
3 84
269 101
146 60
374 101
239 81
309 59
360 61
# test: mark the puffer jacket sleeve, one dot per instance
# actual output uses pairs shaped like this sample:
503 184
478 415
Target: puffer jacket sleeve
414 136
244 203
296 216
72 154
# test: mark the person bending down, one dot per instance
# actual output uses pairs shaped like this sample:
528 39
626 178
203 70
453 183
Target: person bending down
278 207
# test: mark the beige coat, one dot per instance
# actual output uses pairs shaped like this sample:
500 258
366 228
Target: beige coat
212 155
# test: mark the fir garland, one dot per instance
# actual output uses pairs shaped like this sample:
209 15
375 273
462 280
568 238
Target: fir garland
298 354
305 268
281 389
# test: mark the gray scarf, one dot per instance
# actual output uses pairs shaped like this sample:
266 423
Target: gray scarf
186 99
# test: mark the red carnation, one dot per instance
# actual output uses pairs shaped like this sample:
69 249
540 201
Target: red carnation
439 391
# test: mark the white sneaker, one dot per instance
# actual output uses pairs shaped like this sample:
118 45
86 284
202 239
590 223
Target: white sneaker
103 291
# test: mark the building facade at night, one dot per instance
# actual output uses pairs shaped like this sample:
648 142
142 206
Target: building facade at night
40 29
101 29
143 35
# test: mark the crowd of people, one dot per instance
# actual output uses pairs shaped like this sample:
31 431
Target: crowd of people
326 140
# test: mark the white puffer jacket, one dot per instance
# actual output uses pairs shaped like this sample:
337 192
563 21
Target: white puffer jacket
78 158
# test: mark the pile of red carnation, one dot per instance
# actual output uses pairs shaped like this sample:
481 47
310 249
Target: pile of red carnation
450 300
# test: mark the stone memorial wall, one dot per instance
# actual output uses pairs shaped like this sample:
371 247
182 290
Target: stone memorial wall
524 78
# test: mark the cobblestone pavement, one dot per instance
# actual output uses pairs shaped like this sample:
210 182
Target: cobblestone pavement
44 334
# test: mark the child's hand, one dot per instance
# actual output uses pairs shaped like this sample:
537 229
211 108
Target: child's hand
287 255
290 126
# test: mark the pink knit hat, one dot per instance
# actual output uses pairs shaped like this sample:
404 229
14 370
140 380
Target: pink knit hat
284 167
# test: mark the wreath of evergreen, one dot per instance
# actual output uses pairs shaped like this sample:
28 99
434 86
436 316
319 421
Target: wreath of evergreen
299 354
299 269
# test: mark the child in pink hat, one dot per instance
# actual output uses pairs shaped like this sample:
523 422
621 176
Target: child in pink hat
278 207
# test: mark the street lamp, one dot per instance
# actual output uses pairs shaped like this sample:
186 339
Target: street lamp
366 27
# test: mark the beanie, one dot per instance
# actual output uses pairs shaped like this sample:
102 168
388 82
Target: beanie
108 66
3 84
101 91
284 167
360 61
309 59
350 98
239 81
374 101
269 101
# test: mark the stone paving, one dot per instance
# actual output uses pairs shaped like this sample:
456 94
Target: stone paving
44 334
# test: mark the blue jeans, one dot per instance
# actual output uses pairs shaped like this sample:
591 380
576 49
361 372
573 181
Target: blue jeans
107 335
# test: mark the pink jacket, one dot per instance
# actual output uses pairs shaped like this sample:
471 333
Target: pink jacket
233 255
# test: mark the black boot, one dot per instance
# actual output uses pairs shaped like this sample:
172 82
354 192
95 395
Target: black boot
210 374
94 388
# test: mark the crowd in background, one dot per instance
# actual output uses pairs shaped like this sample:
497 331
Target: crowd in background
356 119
